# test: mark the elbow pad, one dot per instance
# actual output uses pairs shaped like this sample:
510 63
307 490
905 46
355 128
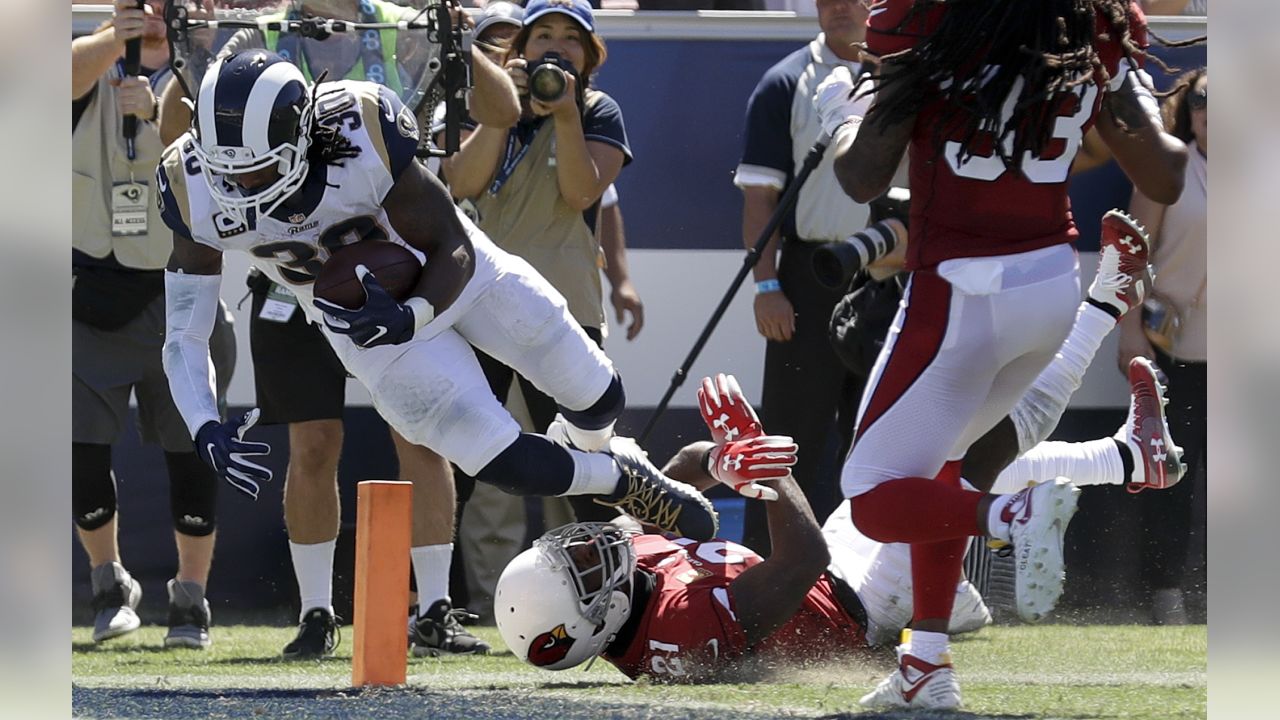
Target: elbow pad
191 307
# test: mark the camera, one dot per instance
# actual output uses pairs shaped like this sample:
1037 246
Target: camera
547 77
835 264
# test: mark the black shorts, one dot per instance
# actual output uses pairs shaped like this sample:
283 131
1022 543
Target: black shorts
296 374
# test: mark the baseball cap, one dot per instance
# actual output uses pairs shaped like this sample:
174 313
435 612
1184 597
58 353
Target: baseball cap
498 12
579 10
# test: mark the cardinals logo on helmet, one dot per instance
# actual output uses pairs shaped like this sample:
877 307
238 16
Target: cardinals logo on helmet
550 647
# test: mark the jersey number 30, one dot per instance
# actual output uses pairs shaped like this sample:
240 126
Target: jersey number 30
1067 128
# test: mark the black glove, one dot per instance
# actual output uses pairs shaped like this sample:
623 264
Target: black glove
380 321
222 447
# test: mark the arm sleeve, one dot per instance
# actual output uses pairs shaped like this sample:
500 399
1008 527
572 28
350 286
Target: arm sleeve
191 307
766 145
603 123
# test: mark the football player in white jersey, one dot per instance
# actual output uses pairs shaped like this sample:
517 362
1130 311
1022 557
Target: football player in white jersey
289 173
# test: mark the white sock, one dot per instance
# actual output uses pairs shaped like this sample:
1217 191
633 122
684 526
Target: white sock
931 647
588 440
431 571
1038 411
1096 462
593 474
998 527
313 566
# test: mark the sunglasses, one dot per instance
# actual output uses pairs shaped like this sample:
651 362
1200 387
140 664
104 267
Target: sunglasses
1198 99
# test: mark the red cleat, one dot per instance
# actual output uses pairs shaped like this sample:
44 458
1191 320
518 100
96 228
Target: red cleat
1157 461
1122 277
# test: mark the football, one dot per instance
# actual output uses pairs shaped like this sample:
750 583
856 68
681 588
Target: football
396 268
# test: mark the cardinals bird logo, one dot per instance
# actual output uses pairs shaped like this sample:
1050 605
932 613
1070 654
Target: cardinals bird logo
550 647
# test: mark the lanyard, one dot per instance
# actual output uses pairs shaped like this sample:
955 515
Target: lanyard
509 161
155 79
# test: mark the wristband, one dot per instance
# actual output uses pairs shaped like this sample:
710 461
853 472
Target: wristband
422 310
768 286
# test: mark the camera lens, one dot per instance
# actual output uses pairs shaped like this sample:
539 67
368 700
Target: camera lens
547 83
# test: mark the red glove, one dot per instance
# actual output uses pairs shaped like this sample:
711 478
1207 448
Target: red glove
726 411
741 463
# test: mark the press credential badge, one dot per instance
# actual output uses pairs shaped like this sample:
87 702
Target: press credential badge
129 207
279 305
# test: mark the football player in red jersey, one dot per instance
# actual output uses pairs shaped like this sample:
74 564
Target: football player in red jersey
993 98
680 611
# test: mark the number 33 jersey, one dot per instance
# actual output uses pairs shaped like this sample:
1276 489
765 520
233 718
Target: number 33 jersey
338 204
980 207
689 628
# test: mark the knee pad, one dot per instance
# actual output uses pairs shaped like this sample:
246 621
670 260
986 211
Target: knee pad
532 465
602 412
193 494
93 488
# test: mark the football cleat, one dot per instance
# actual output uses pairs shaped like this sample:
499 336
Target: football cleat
1157 461
916 684
1122 277
317 636
968 613
440 632
115 600
647 495
1038 518
188 616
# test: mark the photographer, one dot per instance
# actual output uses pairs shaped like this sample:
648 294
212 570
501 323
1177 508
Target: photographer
119 250
536 187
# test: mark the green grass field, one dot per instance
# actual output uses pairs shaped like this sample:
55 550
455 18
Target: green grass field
1055 671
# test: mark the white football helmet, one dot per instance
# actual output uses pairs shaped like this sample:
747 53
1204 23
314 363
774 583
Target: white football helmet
253 112
561 602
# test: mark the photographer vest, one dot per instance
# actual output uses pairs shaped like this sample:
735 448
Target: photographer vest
527 217
98 161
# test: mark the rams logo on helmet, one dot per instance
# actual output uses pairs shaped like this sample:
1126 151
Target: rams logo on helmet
550 647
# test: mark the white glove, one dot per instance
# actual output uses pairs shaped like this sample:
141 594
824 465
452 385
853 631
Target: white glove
835 102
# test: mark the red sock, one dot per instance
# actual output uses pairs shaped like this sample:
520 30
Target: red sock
917 510
936 566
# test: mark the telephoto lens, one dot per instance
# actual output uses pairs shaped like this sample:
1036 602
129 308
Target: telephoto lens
835 264
547 81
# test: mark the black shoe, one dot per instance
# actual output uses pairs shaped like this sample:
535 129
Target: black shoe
440 632
651 497
317 636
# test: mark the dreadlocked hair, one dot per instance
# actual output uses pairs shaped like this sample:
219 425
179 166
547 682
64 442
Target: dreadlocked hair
328 145
999 66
